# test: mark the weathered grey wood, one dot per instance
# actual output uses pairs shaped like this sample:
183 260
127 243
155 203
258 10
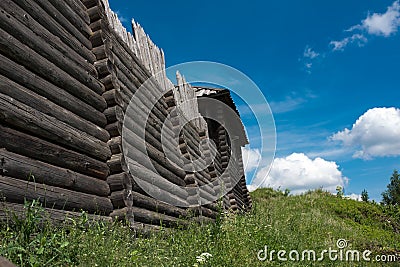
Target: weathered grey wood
152 166
41 16
115 145
152 204
113 113
36 148
75 15
16 191
99 52
47 215
24 77
118 199
14 90
121 181
18 13
80 9
15 113
12 48
94 13
43 48
146 175
151 217
58 16
90 3
21 167
115 163
154 154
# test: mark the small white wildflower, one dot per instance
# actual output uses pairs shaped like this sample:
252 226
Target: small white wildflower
203 257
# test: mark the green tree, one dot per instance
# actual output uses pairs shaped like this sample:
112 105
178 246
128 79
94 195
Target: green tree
364 196
392 194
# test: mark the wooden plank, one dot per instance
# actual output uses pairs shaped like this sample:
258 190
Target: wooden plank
36 148
18 13
16 191
41 16
59 96
42 104
15 50
15 113
21 167
43 48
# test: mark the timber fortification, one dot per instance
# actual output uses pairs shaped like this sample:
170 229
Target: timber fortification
68 71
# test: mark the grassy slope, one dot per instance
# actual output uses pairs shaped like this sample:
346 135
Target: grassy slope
312 221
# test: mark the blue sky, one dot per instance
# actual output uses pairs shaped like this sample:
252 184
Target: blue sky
322 65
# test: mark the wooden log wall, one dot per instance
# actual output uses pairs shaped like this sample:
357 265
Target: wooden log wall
68 72
53 142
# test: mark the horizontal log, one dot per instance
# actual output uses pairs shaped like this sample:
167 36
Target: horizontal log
41 16
152 166
18 13
52 54
155 180
202 220
15 113
80 9
16 191
75 15
35 148
23 55
21 167
203 211
8 211
121 181
151 217
152 204
142 229
64 23
174 164
59 96
16 91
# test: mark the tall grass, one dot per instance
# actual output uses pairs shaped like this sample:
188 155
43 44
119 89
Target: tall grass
313 221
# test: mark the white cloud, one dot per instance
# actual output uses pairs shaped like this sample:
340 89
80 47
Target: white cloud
299 173
309 53
375 134
384 24
289 104
355 38
251 158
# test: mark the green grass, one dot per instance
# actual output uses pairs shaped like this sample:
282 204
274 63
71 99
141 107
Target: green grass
313 221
